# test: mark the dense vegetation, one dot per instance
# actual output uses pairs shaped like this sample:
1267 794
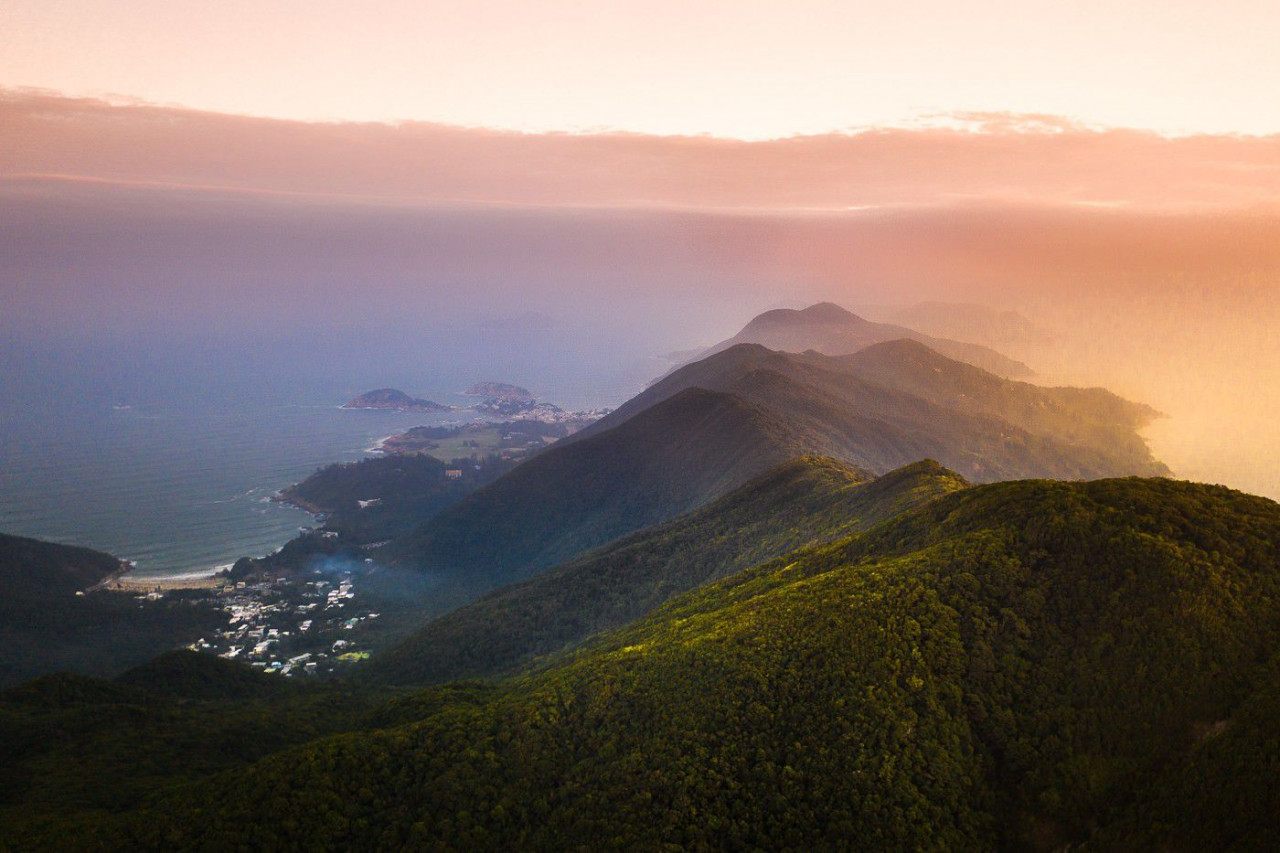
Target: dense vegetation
31 569
86 747
1028 664
45 626
804 501
398 492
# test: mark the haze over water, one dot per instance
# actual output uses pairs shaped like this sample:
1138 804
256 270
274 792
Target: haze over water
177 476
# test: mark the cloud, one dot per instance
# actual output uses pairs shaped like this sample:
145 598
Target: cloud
1048 159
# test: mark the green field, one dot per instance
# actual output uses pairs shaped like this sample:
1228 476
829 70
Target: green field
478 440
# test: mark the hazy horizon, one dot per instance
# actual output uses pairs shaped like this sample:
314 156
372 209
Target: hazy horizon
147 247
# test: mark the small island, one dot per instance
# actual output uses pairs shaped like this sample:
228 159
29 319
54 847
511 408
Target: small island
392 399
499 391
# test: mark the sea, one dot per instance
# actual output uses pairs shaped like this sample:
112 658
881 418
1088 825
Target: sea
184 487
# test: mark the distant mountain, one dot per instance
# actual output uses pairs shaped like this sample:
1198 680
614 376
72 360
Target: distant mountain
831 330
895 402
1018 666
807 501
395 400
713 425
499 391
968 321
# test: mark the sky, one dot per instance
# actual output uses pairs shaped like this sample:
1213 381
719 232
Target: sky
737 68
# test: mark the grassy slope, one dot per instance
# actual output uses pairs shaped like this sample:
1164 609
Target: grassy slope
1021 664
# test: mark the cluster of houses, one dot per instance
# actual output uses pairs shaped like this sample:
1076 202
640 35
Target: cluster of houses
286 627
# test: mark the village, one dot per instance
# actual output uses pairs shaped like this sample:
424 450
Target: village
290 626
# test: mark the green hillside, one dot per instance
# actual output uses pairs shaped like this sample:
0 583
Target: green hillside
383 497
80 749
804 501
31 569
1023 665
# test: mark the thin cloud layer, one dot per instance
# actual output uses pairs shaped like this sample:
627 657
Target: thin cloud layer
985 156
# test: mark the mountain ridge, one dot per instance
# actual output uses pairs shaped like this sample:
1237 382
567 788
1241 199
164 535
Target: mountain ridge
712 425
828 328
518 523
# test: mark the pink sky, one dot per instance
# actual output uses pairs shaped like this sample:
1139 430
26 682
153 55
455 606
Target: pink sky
739 68
1003 157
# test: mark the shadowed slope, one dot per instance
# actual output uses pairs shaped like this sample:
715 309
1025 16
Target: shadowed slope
45 626
32 569
898 401
693 447
805 501
713 425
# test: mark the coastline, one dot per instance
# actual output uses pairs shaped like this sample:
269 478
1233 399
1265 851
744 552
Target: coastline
202 579
282 497
380 445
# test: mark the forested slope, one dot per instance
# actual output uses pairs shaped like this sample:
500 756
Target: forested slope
1028 664
45 626
804 501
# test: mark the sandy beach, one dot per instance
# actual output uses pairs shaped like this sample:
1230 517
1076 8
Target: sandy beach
143 583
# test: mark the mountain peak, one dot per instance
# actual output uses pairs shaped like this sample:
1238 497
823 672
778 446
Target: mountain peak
903 350
832 330
828 312
821 313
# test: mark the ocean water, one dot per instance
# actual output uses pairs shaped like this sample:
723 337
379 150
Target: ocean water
168 456
177 491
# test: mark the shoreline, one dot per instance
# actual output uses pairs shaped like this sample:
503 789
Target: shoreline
204 579
380 445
